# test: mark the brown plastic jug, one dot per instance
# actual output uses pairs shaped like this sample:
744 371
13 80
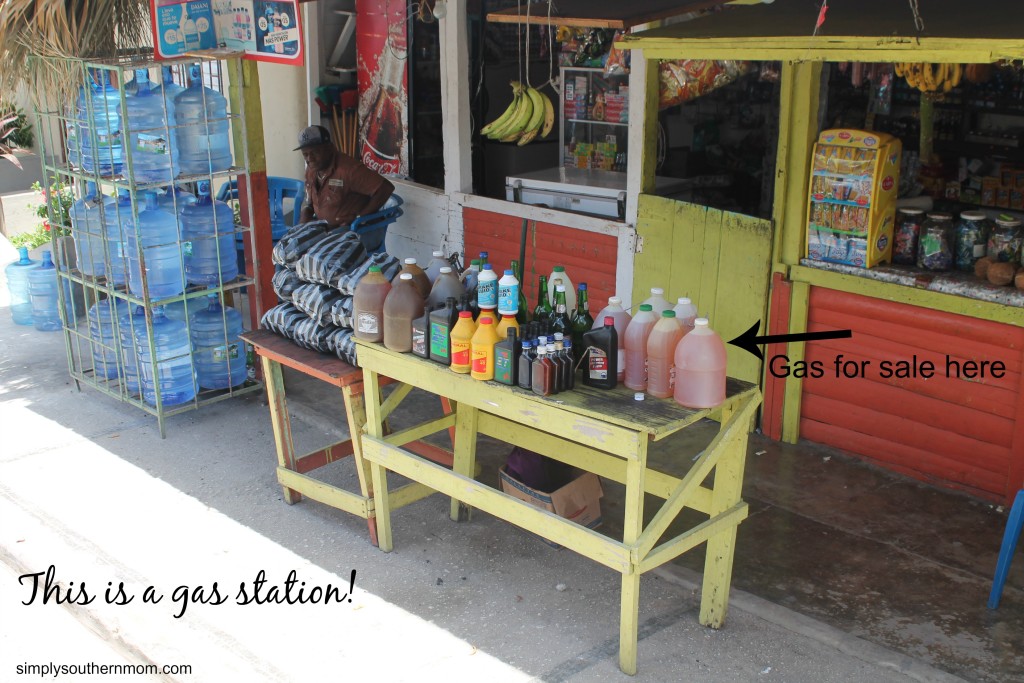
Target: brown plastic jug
402 305
419 277
368 305
446 285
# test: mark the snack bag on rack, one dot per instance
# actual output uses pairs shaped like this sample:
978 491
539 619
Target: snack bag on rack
687 79
617 63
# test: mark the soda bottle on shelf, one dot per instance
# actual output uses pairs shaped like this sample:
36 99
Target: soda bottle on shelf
560 318
543 310
558 273
581 321
523 312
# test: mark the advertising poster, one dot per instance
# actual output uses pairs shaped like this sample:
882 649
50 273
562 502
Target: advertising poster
266 31
383 86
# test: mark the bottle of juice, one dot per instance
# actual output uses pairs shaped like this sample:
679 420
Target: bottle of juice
543 373
482 348
441 323
558 273
622 319
543 310
525 373
661 348
506 323
657 300
635 344
601 369
447 284
506 358
581 321
402 305
419 277
368 305
686 312
560 318
700 368
461 338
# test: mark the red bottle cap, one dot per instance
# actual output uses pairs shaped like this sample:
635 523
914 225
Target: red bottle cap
465 314
485 321
608 320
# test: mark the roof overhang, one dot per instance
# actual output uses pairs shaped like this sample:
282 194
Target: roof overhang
600 13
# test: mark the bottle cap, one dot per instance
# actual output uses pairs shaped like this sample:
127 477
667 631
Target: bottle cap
486 320
375 269
614 300
559 269
567 343
559 288
445 269
410 261
684 300
541 350
507 316
487 266
551 348
609 320
542 339
657 291
668 313
475 262
646 307
526 343
973 215
508 271
559 336
405 276
465 314
638 396
700 322
438 254
582 285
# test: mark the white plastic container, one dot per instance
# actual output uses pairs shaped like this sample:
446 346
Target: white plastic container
700 360
437 262
508 294
570 289
657 301
686 312
487 288
622 319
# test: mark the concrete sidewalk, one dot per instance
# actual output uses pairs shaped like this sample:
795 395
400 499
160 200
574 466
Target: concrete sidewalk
87 486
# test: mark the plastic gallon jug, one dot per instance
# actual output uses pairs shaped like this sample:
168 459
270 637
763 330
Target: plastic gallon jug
152 149
174 199
462 338
558 273
42 290
17 287
169 89
208 240
402 305
419 277
128 326
635 345
508 294
88 229
99 139
219 354
184 310
622 319
73 129
482 348
170 371
368 305
487 289
700 360
204 143
117 222
657 301
447 284
103 335
661 349
686 312
158 233
437 261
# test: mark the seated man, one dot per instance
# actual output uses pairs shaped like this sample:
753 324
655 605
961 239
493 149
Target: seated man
338 187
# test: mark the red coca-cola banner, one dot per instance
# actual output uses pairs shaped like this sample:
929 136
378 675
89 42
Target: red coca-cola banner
383 85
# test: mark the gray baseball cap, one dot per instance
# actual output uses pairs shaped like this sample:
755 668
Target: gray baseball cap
313 136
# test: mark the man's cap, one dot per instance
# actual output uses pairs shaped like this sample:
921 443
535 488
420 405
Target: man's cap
313 136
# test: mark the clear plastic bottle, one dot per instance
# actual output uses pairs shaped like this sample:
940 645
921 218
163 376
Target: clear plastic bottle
686 312
42 289
158 233
543 373
558 273
658 301
208 240
635 343
700 360
204 141
172 373
437 261
219 354
368 305
402 305
661 348
17 287
622 319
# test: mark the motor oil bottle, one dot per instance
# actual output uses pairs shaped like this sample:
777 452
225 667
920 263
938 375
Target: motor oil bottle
600 369
402 305
441 323
506 323
421 335
447 284
635 343
622 319
661 348
524 365
419 277
506 358
482 348
700 367
368 305
461 338
543 373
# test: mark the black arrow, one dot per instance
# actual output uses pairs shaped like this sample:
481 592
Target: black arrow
749 341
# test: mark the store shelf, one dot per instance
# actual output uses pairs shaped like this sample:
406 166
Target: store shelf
598 123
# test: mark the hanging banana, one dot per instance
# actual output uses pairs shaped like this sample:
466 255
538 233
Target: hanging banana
530 115
930 77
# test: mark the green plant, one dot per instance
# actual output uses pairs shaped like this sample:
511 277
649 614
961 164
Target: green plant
54 208
20 135
6 131
31 240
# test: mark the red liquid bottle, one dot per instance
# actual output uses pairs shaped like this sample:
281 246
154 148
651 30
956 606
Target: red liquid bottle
543 381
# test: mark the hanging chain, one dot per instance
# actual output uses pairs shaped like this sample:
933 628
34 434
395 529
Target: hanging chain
918 21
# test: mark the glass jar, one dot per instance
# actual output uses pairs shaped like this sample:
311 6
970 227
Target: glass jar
908 232
935 248
1005 240
971 239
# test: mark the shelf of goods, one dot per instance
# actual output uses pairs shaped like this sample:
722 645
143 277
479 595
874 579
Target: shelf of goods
158 298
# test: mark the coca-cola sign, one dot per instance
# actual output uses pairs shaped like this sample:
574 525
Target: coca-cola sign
383 144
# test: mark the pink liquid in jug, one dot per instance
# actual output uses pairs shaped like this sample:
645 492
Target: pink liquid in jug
700 368
661 346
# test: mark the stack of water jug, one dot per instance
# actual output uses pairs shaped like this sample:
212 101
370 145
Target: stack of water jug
149 242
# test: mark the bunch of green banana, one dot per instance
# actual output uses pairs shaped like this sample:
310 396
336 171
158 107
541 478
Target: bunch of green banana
530 114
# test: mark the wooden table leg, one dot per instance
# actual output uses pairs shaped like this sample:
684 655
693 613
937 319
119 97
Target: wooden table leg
280 420
355 413
378 475
727 492
629 611
464 453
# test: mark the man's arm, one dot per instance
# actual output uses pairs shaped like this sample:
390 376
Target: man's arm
377 199
306 212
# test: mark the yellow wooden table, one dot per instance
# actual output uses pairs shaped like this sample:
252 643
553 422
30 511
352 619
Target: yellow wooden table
604 432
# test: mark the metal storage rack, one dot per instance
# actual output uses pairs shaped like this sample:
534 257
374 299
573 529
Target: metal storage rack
56 115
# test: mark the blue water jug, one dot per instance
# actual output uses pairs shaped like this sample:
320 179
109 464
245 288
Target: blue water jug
204 144
42 290
169 89
72 127
208 240
128 325
17 286
158 232
104 337
219 354
117 224
152 150
99 139
183 310
87 227
174 199
172 373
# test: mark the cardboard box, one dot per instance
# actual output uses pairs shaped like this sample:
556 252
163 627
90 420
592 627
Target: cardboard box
578 501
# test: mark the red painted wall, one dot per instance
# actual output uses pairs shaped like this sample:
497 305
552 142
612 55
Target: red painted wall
588 257
960 433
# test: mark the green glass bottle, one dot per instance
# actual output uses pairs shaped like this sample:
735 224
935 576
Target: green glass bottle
543 310
560 318
582 321
523 314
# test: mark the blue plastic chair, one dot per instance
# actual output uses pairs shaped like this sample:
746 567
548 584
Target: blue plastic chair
373 228
1010 537
279 189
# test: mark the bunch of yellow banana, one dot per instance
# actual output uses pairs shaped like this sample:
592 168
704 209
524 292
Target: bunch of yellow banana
530 114
930 77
